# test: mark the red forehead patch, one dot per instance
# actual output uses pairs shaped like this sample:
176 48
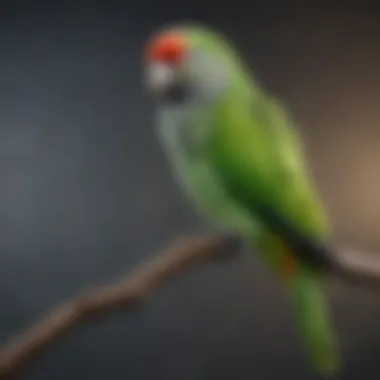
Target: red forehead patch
167 47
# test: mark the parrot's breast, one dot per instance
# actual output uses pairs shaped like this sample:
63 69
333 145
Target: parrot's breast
182 136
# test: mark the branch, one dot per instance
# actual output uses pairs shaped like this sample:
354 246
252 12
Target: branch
356 267
128 293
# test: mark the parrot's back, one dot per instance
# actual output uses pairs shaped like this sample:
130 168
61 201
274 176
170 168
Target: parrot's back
269 169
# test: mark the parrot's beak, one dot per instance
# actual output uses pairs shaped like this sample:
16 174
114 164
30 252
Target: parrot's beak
164 83
159 78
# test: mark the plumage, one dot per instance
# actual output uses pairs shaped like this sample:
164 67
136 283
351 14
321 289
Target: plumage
237 156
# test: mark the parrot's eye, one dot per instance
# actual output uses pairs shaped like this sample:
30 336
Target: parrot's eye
168 48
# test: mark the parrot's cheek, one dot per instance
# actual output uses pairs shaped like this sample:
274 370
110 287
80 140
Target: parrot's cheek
158 77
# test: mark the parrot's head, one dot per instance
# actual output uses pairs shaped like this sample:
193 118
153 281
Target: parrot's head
188 63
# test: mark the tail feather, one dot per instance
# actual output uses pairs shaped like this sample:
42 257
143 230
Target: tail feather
314 322
306 286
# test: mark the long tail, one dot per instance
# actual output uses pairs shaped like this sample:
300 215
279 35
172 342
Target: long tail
306 286
313 319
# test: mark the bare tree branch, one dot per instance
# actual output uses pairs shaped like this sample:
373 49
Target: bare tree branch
127 293
356 267
130 291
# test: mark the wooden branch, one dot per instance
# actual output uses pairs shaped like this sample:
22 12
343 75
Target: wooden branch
127 293
130 291
356 267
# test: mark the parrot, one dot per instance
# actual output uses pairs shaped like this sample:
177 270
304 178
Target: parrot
237 157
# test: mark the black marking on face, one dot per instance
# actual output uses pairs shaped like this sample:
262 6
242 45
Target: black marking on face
177 92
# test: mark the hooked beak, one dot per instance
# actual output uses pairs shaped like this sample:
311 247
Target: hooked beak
163 82
159 78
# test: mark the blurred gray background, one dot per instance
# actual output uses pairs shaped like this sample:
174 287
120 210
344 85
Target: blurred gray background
86 193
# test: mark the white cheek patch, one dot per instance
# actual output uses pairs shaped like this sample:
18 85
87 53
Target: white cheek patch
158 76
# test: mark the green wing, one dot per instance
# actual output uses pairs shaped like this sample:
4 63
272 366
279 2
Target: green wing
257 156
260 162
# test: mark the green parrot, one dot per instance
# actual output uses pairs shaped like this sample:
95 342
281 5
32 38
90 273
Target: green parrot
238 158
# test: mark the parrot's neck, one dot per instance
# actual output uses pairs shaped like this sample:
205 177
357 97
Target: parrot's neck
182 129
